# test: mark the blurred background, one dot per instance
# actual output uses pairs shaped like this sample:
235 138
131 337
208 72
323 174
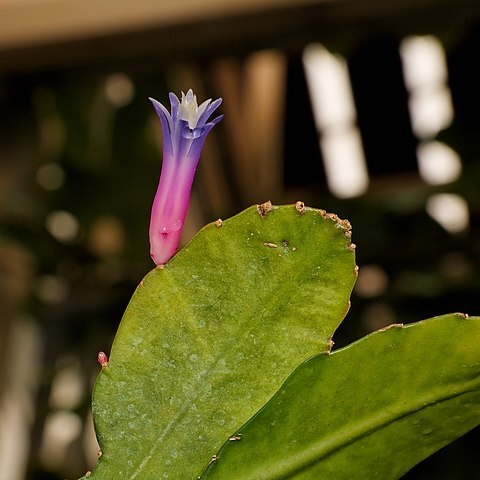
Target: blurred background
367 109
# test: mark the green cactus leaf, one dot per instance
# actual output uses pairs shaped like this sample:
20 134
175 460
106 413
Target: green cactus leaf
371 410
207 340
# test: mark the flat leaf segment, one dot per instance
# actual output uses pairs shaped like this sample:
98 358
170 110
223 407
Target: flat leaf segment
207 340
371 410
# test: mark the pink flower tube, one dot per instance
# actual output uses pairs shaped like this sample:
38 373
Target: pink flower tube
184 133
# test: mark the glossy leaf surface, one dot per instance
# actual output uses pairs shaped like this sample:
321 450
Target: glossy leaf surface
371 410
206 341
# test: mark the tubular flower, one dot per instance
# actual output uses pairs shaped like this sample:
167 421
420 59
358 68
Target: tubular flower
184 133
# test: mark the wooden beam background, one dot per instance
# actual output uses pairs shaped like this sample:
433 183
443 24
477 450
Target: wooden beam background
51 34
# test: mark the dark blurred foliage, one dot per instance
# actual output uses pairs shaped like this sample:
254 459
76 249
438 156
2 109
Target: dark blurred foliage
86 143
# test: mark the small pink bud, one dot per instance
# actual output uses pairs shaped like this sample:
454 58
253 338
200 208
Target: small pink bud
102 360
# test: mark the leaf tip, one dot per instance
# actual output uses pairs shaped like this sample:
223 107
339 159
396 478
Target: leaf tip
341 223
300 207
330 344
388 327
264 208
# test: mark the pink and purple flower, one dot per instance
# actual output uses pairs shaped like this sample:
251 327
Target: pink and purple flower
184 133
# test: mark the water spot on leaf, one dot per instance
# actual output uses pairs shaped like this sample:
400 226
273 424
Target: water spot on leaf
220 417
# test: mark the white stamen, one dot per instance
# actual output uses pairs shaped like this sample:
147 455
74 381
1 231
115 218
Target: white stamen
188 109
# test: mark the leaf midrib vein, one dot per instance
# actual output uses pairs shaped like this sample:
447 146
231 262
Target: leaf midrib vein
241 329
347 435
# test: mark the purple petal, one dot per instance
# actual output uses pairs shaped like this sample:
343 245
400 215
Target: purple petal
215 120
167 124
174 102
208 111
